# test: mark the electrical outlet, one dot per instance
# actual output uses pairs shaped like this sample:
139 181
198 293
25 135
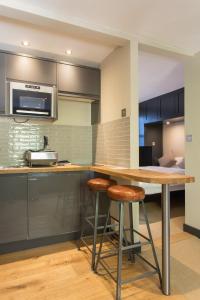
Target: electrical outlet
189 138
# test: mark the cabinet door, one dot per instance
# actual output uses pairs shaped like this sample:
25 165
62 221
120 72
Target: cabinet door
153 110
169 106
181 103
78 80
13 208
54 204
30 69
95 113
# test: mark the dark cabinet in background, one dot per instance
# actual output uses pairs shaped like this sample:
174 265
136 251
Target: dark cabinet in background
153 110
23 68
169 106
13 208
53 204
181 109
79 80
159 109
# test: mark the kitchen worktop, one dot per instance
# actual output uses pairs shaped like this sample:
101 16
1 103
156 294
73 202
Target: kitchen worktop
25 170
129 174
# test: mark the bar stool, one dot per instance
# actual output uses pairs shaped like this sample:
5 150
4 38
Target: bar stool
96 186
127 194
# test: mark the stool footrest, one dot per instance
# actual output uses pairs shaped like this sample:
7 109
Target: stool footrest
111 254
93 217
99 227
140 234
129 247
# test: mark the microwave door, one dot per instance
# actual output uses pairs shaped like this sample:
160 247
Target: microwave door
30 99
31 103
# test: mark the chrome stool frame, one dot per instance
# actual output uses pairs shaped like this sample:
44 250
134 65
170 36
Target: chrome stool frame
129 248
96 228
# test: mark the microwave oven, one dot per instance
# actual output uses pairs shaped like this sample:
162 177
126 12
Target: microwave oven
28 99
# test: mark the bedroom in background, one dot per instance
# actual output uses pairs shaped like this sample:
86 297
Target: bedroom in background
161 126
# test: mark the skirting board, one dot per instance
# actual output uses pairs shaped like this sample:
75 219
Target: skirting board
192 230
28 244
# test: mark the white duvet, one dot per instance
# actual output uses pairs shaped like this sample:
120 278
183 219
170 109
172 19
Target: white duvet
151 188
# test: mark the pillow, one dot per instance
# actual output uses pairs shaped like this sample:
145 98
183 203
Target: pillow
178 159
166 161
181 164
170 163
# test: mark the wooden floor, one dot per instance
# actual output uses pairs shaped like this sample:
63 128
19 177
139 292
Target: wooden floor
61 272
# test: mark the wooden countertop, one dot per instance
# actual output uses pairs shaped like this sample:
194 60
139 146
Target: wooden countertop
144 175
129 174
53 169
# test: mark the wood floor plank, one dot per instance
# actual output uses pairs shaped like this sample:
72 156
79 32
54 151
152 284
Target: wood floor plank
61 272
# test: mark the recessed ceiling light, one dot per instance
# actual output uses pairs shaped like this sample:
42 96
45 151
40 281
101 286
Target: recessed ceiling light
25 43
68 51
168 123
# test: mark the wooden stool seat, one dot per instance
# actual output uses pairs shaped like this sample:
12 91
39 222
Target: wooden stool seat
100 184
125 193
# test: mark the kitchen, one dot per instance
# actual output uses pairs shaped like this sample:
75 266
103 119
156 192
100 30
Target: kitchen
66 118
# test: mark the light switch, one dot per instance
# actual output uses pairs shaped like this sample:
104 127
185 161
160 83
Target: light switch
123 112
153 143
189 138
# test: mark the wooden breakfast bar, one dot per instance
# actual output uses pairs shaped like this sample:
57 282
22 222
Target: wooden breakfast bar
137 175
165 180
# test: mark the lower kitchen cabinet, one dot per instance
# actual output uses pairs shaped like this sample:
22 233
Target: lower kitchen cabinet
13 208
53 204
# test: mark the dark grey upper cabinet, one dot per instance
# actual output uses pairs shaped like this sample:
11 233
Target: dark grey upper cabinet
153 110
169 105
181 110
53 204
30 69
13 208
79 80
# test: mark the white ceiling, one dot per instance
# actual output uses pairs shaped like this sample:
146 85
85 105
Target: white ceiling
54 42
93 28
169 24
158 74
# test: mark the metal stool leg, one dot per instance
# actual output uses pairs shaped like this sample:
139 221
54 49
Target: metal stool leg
152 243
119 264
83 224
102 237
131 229
95 230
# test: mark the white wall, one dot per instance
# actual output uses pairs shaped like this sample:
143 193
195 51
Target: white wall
192 123
174 139
115 84
73 113
119 89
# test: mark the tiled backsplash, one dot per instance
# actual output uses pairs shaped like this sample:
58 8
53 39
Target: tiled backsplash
111 143
73 143
107 143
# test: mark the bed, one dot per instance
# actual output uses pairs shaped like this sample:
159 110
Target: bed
151 189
